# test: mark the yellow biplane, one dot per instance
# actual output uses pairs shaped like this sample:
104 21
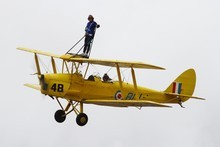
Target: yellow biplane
70 84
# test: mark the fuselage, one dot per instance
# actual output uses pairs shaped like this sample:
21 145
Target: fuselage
76 88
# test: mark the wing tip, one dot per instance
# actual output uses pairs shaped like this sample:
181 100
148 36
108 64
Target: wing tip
33 86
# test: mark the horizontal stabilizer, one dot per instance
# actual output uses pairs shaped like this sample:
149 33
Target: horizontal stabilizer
184 95
125 103
33 86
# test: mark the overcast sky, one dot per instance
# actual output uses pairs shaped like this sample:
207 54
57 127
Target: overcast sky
174 34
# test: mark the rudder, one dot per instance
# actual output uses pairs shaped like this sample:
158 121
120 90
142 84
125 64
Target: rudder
183 84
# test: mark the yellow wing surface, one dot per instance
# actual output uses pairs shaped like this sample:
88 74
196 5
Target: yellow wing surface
33 86
112 63
38 52
126 103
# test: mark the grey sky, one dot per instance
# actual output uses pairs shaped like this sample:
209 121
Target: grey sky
173 34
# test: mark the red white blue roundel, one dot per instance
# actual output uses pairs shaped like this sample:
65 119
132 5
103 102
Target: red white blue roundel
118 95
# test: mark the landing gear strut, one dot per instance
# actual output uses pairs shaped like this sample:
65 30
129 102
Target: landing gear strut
60 115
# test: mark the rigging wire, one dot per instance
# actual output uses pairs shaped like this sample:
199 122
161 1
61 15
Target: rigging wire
43 65
48 66
109 70
75 45
57 67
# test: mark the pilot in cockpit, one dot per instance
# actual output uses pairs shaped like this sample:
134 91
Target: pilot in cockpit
106 78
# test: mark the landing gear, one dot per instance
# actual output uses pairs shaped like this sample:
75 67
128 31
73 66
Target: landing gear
60 116
81 119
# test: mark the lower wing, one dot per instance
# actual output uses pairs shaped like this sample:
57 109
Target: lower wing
33 86
125 103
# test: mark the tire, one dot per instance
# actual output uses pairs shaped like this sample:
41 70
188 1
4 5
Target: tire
82 119
60 116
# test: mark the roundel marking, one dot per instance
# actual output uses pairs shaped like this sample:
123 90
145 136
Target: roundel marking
118 95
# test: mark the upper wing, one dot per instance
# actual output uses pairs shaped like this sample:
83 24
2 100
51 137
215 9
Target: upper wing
38 52
125 103
112 63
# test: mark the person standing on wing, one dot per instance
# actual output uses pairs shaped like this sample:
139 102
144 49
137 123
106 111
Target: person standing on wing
90 33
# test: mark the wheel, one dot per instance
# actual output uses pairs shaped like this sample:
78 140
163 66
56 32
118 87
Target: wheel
60 116
81 119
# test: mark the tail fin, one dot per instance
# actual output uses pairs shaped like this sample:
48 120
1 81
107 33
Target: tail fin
184 84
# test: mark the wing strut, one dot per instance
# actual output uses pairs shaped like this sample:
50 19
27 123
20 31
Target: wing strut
53 65
134 81
86 70
119 79
37 64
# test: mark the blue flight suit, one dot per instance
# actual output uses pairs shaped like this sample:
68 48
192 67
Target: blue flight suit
90 32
